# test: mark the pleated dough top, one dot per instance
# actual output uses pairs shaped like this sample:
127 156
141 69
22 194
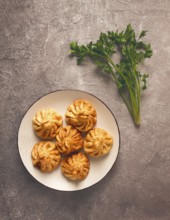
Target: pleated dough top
76 166
45 156
98 142
82 115
46 123
68 139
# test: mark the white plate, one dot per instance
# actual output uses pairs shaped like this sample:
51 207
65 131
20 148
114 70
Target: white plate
60 100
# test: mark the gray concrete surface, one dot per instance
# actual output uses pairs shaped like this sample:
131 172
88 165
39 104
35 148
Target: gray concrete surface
34 48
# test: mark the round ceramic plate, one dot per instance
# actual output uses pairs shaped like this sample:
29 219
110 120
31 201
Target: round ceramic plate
60 100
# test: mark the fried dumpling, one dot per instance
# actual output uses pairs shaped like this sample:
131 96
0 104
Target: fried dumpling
46 123
98 142
68 139
82 115
45 156
76 166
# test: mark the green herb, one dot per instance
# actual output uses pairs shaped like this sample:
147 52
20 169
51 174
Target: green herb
125 73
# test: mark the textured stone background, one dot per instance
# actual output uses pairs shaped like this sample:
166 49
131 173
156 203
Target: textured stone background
34 48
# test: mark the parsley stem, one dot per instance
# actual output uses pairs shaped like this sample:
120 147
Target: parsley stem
135 111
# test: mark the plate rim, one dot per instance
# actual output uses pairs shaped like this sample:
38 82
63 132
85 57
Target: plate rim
74 90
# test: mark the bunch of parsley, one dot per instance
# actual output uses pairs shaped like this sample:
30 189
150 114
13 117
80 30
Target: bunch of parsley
125 73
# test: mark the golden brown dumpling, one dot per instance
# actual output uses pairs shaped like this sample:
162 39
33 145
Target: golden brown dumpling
98 142
68 139
45 156
46 123
82 115
76 166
